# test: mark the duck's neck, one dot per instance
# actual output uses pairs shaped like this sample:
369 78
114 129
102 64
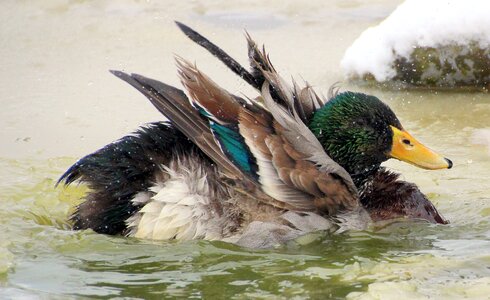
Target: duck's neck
360 179
386 197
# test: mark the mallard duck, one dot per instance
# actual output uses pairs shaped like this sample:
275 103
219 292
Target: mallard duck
253 171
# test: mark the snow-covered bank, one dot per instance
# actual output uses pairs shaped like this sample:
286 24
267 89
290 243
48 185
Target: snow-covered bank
428 43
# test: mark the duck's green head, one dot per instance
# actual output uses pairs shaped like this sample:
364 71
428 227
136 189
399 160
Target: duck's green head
360 132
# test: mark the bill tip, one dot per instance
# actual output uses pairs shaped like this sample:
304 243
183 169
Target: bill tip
449 163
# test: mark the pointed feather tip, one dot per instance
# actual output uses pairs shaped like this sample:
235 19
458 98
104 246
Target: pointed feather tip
124 76
334 90
186 29
250 41
181 62
131 78
117 73
60 180
180 24
69 176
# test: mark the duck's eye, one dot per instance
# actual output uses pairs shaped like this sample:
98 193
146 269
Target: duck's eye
406 141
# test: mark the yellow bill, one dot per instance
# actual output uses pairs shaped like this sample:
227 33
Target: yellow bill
406 148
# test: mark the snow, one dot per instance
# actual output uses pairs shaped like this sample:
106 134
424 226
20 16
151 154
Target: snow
417 24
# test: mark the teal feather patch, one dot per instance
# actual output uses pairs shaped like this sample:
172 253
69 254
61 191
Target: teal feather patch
203 112
235 148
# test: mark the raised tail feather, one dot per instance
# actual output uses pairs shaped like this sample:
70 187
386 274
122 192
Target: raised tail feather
303 100
221 55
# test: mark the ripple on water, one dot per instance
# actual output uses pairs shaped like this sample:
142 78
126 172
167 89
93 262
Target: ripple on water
401 259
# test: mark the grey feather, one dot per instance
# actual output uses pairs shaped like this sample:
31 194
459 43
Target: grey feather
333 90
303 140
308 100
174 105
281 88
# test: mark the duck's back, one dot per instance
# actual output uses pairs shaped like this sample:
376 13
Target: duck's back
119 172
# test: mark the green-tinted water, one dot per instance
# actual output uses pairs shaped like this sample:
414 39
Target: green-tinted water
60 103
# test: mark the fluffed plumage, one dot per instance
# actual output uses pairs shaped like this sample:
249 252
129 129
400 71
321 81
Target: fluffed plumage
225 164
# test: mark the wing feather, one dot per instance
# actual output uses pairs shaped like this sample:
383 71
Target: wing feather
292 165
174 105
302 139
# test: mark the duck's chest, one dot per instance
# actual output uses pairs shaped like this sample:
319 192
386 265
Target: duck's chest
185 203
188 201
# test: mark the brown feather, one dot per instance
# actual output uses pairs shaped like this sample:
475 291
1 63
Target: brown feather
405 199
255 128
216 100
258 132
309 100
331 194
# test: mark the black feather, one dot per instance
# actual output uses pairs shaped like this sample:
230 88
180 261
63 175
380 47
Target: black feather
221 55
120 170
260 62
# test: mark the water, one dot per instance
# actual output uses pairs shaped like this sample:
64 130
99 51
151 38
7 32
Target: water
59 103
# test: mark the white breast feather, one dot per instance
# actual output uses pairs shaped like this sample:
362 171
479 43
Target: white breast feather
179 209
